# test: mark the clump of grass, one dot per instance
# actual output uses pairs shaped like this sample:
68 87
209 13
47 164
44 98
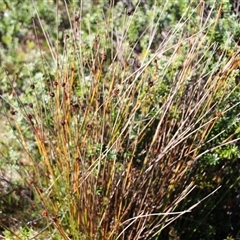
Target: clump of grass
111 136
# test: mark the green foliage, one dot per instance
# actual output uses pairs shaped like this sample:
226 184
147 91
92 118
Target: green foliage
117 114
